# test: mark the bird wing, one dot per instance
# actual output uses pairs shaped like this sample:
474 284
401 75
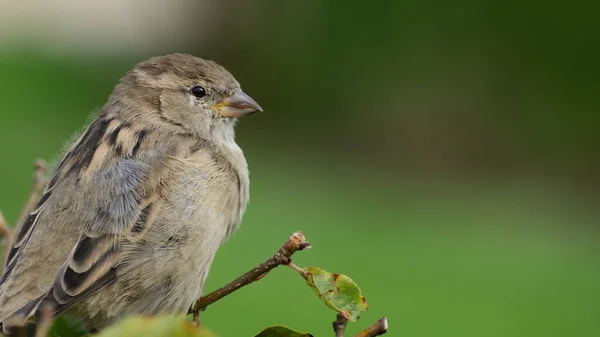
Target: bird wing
105 190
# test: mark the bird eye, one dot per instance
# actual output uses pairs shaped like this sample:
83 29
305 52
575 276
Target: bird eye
198 91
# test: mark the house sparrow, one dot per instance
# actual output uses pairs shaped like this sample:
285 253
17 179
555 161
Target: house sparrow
135 211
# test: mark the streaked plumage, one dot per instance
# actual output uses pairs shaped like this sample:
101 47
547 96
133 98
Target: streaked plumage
133 214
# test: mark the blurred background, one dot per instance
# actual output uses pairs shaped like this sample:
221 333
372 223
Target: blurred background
445 155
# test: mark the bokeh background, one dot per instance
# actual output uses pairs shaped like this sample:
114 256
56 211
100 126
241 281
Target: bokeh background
442 154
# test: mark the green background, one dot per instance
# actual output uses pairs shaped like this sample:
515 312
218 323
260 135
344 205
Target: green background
443 155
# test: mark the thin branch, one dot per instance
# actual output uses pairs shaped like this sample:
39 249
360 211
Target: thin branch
339 325
299 270
378 328
39 183
6 235
6 232
295 243
44 320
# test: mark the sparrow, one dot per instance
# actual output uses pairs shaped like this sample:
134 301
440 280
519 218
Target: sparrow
134 212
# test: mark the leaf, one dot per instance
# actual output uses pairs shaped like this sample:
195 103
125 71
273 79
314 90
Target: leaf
281 331
337 291
165 326
63 326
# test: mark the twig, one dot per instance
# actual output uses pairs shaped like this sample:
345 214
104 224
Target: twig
378 328
44 320
39 183
339 325
295 243
299 270
6 232
6 235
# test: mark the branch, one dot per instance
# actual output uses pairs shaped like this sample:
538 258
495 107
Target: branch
39 183
44 320
339 325
378 328
6 235
295 243
6 232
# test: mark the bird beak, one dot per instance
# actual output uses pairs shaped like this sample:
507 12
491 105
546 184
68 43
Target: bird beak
237 105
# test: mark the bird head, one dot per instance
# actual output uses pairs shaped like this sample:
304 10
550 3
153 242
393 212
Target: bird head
191 94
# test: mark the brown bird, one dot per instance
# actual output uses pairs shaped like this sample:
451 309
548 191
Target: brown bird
135 211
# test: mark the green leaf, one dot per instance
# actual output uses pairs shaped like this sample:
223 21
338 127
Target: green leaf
281 331
63 326
337 291
165 326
